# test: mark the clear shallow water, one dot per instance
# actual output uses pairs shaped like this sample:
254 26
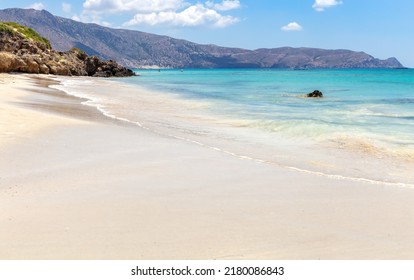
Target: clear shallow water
375 103
363 128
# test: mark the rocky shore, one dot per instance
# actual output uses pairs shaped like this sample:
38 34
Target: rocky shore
23 50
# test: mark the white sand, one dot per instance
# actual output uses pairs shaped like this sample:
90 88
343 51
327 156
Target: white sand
17 124
74 188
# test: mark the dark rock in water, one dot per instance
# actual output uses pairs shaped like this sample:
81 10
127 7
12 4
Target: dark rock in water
315 94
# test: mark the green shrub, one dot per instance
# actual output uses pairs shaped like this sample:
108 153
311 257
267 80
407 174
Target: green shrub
4 28
29 33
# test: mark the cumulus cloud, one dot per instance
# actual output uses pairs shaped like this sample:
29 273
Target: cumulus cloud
66 7
321 5
192 16
225 5
91 18
165 12
293 26
37 6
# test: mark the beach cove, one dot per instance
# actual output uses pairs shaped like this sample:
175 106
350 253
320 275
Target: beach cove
77 182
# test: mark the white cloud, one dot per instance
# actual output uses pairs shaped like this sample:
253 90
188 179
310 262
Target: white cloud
321 5
91 18
293 26
225 5
192 16
164 12
76 17
66 8
37 6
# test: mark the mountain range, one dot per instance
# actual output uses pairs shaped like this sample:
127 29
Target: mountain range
139 49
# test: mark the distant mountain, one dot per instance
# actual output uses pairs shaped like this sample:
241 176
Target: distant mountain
140 49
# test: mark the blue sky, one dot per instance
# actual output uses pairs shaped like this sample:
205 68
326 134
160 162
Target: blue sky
382 28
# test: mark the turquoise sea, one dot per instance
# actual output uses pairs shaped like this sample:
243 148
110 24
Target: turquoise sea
362 129
379 103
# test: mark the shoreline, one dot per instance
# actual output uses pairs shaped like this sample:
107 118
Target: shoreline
17 122
340 157
80 186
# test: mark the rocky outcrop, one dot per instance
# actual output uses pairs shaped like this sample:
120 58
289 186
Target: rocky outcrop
20 53
98 68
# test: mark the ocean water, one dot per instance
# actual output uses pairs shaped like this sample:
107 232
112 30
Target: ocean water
362 129
377 102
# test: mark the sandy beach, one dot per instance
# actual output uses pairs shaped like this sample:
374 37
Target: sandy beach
77 185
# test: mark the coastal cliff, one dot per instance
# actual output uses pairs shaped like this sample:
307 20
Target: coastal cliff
23 50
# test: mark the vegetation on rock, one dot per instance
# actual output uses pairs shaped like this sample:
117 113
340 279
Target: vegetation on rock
28 32
5 28
23 50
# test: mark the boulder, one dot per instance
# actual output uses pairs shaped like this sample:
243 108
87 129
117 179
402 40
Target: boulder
44 69
315 94
32 66
91 65
7 61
